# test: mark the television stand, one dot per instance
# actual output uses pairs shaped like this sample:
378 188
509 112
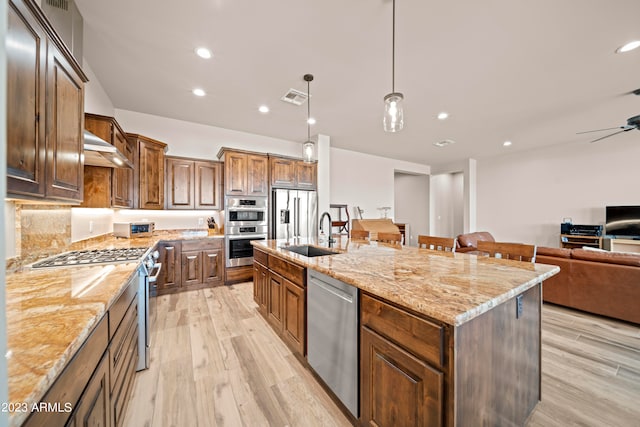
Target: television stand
622 245
571 241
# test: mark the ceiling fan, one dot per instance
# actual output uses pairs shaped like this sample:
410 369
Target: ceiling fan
632 123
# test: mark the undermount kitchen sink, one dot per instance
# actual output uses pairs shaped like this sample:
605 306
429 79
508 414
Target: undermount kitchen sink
309 251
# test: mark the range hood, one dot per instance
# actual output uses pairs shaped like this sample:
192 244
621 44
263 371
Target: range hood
98 152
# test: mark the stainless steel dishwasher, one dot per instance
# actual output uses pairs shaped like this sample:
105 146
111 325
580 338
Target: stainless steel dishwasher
332 336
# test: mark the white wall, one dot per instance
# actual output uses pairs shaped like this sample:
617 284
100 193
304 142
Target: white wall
96 100
87 223
4 392
367 181
447 204
170 220
524 197
201 141
411 204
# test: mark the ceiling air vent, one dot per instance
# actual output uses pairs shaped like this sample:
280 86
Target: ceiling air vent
294 97
58 4
444 143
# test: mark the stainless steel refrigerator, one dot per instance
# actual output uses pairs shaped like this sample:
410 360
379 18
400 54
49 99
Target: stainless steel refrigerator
294 213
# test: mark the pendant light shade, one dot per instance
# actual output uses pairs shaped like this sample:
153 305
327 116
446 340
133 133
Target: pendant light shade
308 147
393 119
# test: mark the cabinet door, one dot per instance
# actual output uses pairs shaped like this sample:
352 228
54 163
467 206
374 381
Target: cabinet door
171 274
387 371
282 172
207 186
180 185
26 48
191 268
294 315
212 266
235 174
260 287
306 175
257 182
122 177
274 301
151 170
94 408
65 127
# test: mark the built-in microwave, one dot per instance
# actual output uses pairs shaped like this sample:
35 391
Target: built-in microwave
129 230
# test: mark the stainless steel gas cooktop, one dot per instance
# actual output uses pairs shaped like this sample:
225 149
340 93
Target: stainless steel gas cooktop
91 257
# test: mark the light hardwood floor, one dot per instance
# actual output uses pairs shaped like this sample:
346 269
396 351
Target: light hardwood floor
216 362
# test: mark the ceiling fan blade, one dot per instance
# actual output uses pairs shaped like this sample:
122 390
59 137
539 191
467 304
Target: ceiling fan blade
599 130
611 134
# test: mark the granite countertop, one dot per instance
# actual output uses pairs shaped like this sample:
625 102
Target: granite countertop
51 311
450 287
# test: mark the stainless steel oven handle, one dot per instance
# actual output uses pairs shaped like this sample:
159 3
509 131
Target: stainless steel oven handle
245 208
154 278
247 236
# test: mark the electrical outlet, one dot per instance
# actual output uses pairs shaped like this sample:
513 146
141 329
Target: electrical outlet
90 227
519 306
200 222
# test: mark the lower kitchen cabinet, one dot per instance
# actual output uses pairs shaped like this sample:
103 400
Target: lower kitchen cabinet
388 371
279 289
191 264
94 407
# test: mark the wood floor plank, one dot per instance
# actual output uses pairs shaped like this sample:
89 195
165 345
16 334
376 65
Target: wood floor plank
216 362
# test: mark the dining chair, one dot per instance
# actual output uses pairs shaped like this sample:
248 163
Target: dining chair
513 251
360 234
390 238
447 244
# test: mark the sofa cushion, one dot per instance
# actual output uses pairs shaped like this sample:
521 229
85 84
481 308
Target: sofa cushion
609 257
471 239
557 252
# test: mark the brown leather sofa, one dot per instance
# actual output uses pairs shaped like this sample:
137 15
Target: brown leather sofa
599 282
469 242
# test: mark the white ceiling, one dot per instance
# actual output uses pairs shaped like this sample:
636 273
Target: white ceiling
533 72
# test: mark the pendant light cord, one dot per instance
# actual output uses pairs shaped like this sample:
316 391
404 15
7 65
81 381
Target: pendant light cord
393 50
309 110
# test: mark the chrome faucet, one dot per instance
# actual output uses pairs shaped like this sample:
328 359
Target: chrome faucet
331 239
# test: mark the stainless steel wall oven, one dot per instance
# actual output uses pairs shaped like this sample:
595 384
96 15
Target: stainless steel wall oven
246 219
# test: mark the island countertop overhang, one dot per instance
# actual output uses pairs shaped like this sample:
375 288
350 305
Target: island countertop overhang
452 288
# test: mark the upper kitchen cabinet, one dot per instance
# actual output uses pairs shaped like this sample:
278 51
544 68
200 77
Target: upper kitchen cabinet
149 172
245 173
193 184
45 103
109 187
292 173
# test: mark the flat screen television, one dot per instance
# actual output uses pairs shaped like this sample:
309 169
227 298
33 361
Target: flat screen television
623 221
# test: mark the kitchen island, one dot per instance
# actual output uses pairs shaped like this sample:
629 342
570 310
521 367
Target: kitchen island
456 335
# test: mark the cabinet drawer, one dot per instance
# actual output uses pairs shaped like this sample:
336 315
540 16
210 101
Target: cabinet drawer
201 244
119 308
288 270
421 337
260 257
123 343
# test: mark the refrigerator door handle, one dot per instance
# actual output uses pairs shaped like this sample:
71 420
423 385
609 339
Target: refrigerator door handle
298 216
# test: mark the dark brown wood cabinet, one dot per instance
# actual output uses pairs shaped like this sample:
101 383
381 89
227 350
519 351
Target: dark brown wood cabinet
292 173
109 187
279 289
149 172
45 106
171 259
191 264
193 184
245 173
94 408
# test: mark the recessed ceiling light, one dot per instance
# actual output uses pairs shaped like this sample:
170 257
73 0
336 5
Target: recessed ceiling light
629 46
311 121
263 109
507 144
444 143
199 92
203 52
443 115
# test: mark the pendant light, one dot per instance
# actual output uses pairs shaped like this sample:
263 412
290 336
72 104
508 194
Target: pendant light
393 117
308 148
